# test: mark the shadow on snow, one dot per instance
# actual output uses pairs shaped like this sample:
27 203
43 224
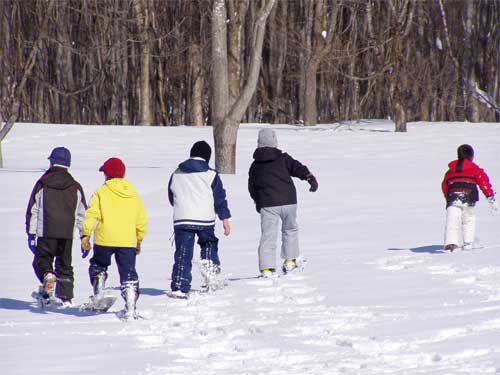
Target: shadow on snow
432 249
32 306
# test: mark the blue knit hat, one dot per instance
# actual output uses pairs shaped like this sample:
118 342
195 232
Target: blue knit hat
60 156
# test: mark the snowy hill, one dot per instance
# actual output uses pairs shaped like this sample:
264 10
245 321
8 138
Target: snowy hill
377 296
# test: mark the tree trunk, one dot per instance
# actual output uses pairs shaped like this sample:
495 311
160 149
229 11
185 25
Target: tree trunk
196 108
402 18
225 118
321 45
277 57
305 52
220 91
472 105
225 138
142 20
310 89
237 13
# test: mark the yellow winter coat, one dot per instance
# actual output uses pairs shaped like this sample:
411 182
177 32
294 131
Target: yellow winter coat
117 214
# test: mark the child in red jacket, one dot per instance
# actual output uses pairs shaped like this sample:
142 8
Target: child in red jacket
460 191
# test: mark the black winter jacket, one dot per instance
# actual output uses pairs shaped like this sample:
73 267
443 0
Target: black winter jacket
56 205
270 178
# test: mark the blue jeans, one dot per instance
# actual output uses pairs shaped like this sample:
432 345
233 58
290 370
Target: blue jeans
184 244
125 260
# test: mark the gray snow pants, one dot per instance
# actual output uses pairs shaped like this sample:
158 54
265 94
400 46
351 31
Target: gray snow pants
270 218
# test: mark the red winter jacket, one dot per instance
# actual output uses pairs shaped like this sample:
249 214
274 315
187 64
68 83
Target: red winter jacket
463 185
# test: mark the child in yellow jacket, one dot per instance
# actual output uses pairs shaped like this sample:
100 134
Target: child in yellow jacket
117 217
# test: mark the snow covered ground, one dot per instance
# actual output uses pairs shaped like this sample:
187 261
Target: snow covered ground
377 296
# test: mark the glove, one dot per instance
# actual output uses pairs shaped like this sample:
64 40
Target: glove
32 243
138 248
313 182
257 208
493 204
85 246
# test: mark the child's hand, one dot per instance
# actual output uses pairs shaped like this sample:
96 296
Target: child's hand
493 204
313 182
32 243
227 227
85 246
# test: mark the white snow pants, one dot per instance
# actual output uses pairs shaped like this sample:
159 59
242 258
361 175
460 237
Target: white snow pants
270 218
460 224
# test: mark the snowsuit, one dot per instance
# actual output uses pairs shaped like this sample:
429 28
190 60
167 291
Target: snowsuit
460 189
271 187
197 195
117 215
57 204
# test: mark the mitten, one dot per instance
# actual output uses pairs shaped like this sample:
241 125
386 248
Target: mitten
313 182
85 246
32 242
138 248
493 204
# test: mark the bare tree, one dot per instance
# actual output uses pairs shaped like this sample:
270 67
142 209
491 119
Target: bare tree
277 57
402 12
10 111
323 32
141 9
237 11
196 72
148 61
226 117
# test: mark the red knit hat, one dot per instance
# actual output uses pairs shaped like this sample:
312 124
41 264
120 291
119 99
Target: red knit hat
113 168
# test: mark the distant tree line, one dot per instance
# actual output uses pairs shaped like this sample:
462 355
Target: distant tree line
149 62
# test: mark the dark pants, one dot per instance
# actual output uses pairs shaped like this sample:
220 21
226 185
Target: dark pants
125 260
184 244
46 250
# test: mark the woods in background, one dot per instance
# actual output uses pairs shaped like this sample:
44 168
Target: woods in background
149 62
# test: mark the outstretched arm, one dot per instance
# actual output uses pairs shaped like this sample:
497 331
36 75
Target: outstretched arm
299 170
296 168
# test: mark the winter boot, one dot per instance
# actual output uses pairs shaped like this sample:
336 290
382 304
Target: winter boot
450 247
468 246
130 293
178 294
268 272
99 282
66 304
289 265
49 284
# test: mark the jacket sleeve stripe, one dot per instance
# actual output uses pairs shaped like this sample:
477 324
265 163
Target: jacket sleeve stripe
80 211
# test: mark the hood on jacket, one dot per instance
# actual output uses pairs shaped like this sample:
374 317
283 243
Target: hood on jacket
265 154
194 165
121 187
466 164
57 178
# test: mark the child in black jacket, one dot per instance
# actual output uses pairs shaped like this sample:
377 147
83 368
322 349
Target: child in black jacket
273 191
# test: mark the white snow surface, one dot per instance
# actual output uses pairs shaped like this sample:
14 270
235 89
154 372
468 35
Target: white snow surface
377 296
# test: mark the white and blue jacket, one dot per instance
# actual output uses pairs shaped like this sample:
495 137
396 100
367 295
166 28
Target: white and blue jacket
197 195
